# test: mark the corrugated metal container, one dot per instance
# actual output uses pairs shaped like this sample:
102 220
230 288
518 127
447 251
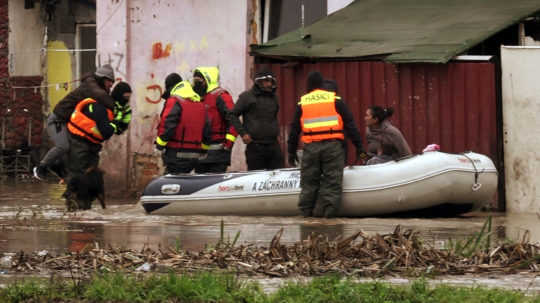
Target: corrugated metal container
453 105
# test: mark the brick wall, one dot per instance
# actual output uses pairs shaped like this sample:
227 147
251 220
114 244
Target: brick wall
146 167
24 119
4 52
20 108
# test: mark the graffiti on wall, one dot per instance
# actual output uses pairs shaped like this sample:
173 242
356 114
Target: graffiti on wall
153 93
116 60
175 56
159 52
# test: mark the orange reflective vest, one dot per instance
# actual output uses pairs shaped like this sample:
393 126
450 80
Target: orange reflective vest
320 120
81 125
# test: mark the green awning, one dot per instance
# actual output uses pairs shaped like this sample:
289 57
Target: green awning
400 31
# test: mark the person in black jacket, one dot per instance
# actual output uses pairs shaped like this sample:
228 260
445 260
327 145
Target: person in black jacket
259 129
95 86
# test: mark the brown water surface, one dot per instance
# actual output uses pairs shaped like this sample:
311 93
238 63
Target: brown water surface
32 217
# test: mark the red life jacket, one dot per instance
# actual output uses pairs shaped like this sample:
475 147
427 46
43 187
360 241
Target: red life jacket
218 123
189 131
81 125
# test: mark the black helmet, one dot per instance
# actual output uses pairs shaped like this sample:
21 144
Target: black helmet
170 81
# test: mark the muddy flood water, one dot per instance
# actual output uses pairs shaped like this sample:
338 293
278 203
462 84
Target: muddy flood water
32 218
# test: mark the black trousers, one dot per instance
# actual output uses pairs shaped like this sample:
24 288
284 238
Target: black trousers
215 168
175 165
264 156
216 161
84 179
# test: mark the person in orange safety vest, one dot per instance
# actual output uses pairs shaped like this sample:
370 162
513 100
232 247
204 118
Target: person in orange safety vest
90 124
323 119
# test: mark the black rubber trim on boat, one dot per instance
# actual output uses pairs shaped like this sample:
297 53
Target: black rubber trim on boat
189 184
445 210
150 207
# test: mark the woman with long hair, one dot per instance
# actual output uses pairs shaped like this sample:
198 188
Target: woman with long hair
385 142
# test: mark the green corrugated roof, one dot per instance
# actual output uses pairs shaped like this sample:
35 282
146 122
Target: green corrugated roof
400 30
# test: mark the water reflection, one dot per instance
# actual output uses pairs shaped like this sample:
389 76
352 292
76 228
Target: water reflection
28 193
32 218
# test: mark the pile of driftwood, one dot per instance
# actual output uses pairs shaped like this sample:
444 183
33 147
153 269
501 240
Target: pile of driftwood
398 253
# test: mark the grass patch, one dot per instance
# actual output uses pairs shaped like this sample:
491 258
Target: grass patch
210 287
479 242
333 289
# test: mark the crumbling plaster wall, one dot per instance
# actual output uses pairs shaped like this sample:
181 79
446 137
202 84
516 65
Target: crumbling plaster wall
145 41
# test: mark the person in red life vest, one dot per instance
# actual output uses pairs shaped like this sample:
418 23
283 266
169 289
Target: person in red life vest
324 120
90 124
183 130
219 102
96 86
170 81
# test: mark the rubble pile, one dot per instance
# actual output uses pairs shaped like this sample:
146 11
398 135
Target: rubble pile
398 253
23 117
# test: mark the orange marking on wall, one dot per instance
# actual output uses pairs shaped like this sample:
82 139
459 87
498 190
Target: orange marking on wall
154 87
158 51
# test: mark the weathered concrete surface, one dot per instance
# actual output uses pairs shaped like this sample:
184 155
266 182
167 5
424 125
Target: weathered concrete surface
145 41
521 127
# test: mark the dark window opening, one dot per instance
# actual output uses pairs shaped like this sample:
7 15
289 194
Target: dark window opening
492 45
87 40
286 16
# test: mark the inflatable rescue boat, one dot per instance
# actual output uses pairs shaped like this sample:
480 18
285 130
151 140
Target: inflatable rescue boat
440 183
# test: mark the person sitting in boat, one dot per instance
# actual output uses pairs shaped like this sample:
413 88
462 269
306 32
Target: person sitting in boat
90 124
385 142
219 102
183 130
324 119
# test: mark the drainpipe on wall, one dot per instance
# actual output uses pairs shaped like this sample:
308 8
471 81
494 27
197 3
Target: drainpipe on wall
521 33
43 54
266 21
129 156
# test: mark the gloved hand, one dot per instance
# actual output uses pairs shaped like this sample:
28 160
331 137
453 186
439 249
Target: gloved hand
361 155
122 127
126 114
122 117
160 143
118 114
159 147
227 145
115 126
293 159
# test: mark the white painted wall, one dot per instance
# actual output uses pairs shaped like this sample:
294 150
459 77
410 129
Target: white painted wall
334 5
112 47
196 33
25 39
521 127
